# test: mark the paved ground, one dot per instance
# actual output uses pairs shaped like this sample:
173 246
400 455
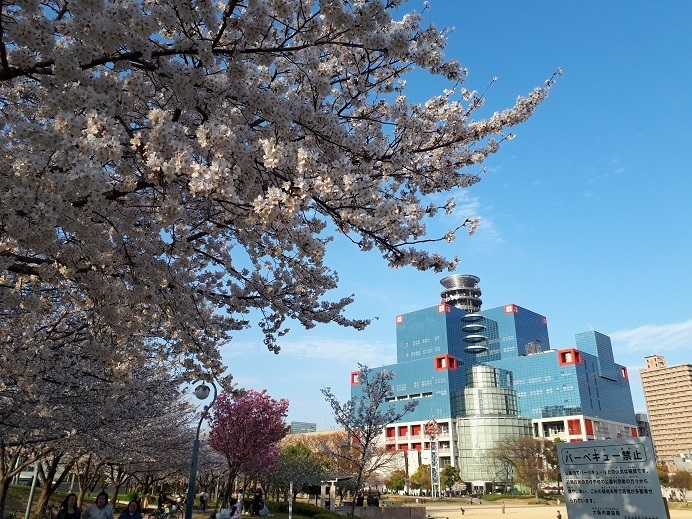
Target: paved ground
452 511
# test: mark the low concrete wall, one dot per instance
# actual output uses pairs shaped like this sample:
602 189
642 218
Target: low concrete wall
386 512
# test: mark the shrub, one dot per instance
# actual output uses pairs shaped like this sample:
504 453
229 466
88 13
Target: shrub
305 509
132 496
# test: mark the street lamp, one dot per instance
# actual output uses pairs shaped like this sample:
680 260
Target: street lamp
202 392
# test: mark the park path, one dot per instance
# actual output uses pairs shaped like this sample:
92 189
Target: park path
452 511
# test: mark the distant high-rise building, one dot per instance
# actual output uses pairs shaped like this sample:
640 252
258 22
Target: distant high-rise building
668 396
302 427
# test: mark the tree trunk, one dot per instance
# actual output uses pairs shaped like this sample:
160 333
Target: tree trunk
48 487
88 472
118 478
11 464
116 491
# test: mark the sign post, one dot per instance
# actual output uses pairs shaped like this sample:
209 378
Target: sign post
611 478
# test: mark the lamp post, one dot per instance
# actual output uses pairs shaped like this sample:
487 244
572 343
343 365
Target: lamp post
202 392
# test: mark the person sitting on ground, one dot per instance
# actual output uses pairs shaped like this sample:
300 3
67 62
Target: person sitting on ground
236 508
132 511
69 508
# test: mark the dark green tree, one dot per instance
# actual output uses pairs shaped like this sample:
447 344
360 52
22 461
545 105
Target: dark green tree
421 477
663 475
298 465
397 480
449 476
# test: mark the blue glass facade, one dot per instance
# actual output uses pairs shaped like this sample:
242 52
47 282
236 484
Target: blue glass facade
431 362
435 346
518 328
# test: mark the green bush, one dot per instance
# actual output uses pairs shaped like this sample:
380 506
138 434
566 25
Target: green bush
281 507
305 509
132 496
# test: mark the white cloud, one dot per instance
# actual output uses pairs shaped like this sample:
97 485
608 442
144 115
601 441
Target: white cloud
315 348
345 351
655 338
467 206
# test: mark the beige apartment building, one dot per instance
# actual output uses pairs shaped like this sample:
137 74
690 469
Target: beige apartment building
668 395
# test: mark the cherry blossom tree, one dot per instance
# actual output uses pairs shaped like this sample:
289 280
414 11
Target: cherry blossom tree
246 427
13 460
172 172
211 469
363 418
298 465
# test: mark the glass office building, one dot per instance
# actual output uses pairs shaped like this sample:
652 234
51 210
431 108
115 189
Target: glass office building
575 393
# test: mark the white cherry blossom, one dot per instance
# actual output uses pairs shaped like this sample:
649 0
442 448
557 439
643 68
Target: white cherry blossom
168 170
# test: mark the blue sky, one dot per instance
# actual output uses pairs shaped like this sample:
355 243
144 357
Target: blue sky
585 215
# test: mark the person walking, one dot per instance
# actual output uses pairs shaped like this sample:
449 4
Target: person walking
203 501
132 511
68 508
99 510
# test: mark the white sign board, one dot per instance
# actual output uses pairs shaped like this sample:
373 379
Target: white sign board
611 479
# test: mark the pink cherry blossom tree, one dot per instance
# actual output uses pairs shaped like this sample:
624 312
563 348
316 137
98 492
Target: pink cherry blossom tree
245 429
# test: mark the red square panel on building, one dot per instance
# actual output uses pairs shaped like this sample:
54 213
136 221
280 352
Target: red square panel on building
443 308
588 425
574 427
446 362
569 356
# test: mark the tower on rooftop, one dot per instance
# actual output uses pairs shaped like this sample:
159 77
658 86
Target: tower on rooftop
462 291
